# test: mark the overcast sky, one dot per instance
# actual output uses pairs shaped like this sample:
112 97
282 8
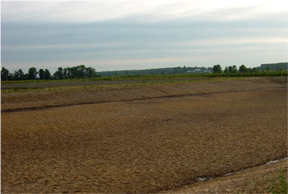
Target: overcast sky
120 35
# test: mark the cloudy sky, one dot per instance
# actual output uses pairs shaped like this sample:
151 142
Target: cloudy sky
119 35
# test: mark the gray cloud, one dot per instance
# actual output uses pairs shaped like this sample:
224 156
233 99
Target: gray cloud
131 43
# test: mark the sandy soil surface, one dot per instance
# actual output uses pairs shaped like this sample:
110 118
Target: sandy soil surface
67 96
72 83
146 143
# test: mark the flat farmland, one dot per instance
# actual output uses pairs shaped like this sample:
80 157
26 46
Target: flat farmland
143 138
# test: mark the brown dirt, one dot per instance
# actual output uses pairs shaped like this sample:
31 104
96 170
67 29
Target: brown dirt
73 83
184 131
62 96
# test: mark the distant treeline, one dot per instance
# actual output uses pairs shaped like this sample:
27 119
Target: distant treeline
76 72
81 72
167 70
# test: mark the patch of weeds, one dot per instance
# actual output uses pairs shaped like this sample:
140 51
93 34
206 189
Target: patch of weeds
280 185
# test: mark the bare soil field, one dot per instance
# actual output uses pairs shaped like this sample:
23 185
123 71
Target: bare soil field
139 138
71 83
58 95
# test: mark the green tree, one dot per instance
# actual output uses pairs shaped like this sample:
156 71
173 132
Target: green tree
65 73
90 72
32 73
175 70
217 69
41 73
69 73
47 74
226 70
232 69
74 72
59 73
14 76
21 74
18 75
254 69
184 69
4 74
243 69
11 76
81 71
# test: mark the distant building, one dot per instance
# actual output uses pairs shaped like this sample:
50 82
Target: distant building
199 71
195 71
207 71
274 66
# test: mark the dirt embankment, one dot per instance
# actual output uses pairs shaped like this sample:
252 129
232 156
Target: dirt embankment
33 99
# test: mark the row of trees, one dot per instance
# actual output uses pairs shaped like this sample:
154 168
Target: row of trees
76 72
233 69
80 72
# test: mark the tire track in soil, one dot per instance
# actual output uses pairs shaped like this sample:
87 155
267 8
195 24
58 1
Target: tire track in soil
122 100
